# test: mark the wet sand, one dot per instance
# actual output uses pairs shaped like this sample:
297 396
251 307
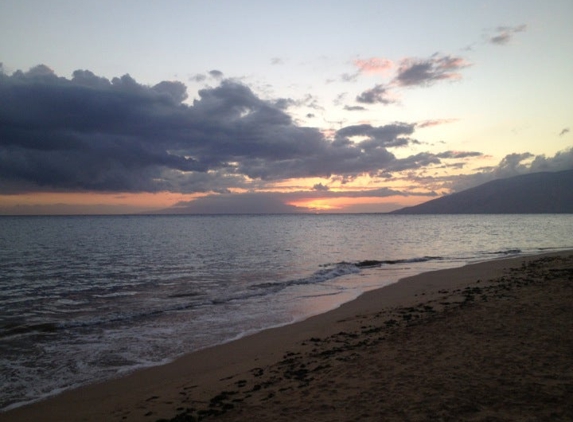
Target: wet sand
487 342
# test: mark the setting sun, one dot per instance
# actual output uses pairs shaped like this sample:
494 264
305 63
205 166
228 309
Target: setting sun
317 205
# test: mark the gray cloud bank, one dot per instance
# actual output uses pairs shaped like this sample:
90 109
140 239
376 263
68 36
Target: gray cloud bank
88 133
277 202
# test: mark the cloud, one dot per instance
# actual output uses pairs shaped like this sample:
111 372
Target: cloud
380 94
393 135
411 72
39 71
504 34
374 65
320 187
285 103
564 132
89 133
307 101
436 122
216 74
349 77
201 77
425 72
414 162
369 193
513 165
426 159
459 154
562 160
354 108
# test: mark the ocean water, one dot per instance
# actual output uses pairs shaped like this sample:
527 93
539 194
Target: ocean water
88 298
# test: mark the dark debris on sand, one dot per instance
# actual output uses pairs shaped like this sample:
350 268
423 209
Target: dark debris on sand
537 384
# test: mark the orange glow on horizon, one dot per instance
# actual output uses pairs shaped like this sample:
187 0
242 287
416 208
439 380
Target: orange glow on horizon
333 201
360 204
316 204
129 202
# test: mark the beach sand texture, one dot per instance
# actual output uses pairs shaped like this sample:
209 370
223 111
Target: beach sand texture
487 342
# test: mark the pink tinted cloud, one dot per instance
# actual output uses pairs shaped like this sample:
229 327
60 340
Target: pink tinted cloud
374 65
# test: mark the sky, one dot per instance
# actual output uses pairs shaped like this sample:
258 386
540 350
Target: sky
227 106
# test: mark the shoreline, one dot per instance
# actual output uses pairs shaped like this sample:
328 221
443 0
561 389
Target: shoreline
208 382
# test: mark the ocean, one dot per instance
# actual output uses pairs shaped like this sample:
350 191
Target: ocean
89 298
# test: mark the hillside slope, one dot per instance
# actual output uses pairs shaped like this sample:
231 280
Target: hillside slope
535 193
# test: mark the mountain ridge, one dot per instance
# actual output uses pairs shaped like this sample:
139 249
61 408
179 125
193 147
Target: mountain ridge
533 193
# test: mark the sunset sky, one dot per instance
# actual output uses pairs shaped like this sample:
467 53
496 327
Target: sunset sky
228 106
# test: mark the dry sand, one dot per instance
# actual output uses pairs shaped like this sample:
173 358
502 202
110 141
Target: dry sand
486 342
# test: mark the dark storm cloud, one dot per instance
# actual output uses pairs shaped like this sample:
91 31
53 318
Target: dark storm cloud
89 133
504 34
342 159
342 156
380 94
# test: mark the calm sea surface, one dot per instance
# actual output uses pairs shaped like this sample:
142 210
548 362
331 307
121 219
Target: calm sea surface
84 299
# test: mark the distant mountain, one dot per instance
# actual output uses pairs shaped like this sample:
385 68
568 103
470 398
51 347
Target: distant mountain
535 193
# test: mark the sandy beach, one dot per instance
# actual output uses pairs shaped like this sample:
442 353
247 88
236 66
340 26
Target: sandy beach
487 342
